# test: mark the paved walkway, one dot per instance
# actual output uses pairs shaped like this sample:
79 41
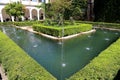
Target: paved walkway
2 74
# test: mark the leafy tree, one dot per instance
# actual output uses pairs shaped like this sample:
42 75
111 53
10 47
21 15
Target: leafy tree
58 7
79 3
77 13
77 9
15 9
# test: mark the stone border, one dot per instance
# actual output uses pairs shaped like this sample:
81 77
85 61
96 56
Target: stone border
30 29
2 72
107 28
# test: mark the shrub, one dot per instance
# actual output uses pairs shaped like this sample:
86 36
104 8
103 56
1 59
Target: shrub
18 65
26 23
58 31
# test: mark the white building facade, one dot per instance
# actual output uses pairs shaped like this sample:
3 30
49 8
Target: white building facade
31 13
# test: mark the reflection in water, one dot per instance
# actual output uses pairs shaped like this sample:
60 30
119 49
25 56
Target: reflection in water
62 59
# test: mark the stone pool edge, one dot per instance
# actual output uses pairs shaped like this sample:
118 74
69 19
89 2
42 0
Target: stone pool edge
30 29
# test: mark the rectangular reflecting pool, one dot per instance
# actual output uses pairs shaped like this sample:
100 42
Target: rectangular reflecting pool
62 59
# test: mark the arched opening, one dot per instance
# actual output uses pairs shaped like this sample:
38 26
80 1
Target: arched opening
5 16
34 14
27 14
41 12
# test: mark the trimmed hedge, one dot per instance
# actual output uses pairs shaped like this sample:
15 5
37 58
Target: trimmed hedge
103 67
102 24
58 31
24 23
17 64
6 23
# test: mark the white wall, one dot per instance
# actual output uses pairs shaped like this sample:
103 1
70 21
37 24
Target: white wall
30 3
4 1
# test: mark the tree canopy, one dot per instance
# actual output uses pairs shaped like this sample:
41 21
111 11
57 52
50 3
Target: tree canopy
15 9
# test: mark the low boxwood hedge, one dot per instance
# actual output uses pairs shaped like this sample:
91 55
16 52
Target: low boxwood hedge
102 24
26 23
62 31
17 64
103 67
22 23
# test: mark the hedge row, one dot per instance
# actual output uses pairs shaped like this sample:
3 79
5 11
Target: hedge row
102 24
103 67
17 64
25 23
62 31
6 23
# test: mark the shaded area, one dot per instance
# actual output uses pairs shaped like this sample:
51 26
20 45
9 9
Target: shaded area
0 77
107 10
117 77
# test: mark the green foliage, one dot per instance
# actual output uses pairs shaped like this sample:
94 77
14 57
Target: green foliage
56 9
102 24
79 3
78 9
57 31
77 13
15 9
6 23
17 64
103 67
26 23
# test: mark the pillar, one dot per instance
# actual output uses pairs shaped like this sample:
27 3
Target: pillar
1 18
13 20
22 18
43 16
38 14
30 12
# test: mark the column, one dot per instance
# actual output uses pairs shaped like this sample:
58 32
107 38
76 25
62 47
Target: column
30 10
12 18
44 16
38 14
1 17
22 18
